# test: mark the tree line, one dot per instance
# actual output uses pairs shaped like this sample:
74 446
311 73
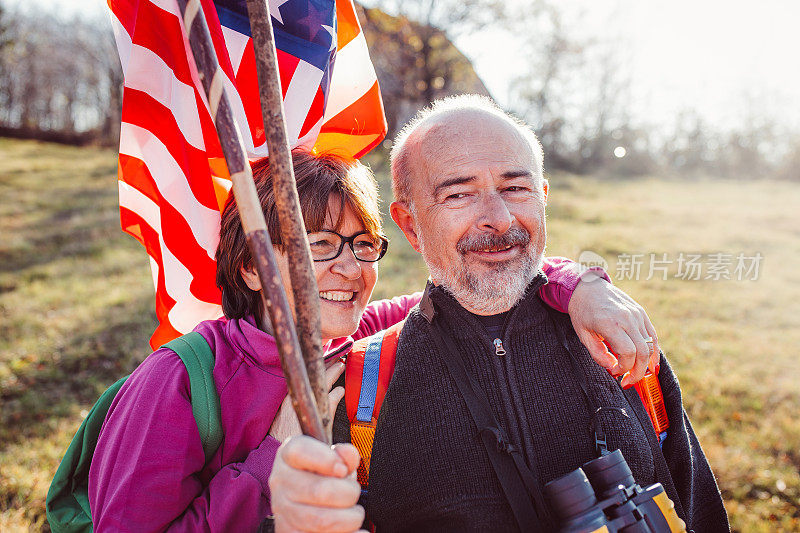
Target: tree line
60 80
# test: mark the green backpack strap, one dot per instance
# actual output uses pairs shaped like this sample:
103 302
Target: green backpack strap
196 355
67 502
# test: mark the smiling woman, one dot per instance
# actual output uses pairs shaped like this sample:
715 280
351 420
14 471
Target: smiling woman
134 478
336 196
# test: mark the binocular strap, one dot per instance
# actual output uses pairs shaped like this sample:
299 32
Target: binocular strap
600 444
660 462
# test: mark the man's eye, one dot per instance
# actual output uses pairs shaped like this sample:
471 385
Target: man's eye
456 196
516 188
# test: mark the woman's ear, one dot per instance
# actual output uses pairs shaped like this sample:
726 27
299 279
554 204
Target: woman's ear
250 278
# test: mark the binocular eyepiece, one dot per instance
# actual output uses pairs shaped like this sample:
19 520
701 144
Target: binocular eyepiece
602 496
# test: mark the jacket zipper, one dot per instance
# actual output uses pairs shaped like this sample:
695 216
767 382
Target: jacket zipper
498 347
499 350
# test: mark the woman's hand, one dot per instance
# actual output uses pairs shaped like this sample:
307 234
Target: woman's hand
313 487
615 329
286 424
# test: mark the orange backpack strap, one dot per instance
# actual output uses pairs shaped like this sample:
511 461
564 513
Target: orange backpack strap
649 390
368 371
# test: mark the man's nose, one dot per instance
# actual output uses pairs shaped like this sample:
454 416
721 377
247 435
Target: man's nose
495 215
346 265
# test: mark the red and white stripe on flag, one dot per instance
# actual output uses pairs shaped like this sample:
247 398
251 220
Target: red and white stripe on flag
173 182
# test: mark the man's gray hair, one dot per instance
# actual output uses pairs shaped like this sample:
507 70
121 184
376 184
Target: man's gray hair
400 157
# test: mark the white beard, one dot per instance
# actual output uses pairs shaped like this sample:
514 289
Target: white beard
494 290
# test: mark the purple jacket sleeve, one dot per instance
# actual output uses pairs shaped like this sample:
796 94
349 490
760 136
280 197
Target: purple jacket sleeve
381 314
563 277
148 473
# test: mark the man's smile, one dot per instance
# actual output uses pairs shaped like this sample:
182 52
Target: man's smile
498 253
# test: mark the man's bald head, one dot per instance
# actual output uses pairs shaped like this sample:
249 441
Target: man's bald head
423 137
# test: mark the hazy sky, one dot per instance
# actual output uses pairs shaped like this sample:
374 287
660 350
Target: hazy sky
710 55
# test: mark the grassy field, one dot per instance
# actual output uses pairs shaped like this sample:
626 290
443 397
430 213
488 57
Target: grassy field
76 311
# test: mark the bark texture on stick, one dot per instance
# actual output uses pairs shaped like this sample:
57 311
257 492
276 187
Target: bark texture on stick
293 231
273 296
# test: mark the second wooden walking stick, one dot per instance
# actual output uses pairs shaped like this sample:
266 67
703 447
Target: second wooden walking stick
293 231
253 223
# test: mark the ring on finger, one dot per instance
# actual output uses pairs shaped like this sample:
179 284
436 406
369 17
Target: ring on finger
651 343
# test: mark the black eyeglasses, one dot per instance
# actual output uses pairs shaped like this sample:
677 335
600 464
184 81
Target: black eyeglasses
326 245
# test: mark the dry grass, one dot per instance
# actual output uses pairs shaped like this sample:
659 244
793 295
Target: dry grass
75 309
732 343
76 313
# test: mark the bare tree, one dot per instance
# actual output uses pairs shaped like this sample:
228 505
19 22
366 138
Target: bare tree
413 52
97 45
60 78
789 167
574 90
605 108
4 39
541 90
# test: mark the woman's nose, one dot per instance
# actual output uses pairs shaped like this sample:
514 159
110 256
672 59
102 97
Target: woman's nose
347 265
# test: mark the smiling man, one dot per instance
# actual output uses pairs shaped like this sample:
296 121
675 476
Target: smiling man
484 248
493 394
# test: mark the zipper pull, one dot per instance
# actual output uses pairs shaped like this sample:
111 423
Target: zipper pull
498 347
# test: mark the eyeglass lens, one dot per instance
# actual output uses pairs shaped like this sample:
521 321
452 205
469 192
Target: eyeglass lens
326 245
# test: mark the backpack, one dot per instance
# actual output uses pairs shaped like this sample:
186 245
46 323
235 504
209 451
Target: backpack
67 503
368 371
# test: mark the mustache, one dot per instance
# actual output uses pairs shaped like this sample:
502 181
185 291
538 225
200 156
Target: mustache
475 243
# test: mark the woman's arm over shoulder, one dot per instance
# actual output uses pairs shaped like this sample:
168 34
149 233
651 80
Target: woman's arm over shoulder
381 314
146 470
563 276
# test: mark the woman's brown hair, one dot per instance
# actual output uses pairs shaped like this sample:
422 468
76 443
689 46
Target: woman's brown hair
319 178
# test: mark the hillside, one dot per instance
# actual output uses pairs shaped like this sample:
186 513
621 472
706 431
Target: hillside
76 311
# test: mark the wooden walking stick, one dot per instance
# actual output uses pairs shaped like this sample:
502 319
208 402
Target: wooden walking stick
255 227
293 231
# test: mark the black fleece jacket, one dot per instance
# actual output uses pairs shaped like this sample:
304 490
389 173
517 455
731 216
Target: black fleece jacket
430 472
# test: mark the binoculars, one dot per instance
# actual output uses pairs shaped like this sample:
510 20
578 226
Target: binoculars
602 496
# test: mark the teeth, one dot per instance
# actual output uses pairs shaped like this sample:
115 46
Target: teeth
337 296
497 249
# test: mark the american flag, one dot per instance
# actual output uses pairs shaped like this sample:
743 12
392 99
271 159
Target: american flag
173 182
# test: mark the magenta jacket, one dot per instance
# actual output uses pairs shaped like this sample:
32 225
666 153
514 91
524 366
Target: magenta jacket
148 471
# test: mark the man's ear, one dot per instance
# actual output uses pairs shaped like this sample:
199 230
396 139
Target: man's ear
250 278
545 188
401 214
